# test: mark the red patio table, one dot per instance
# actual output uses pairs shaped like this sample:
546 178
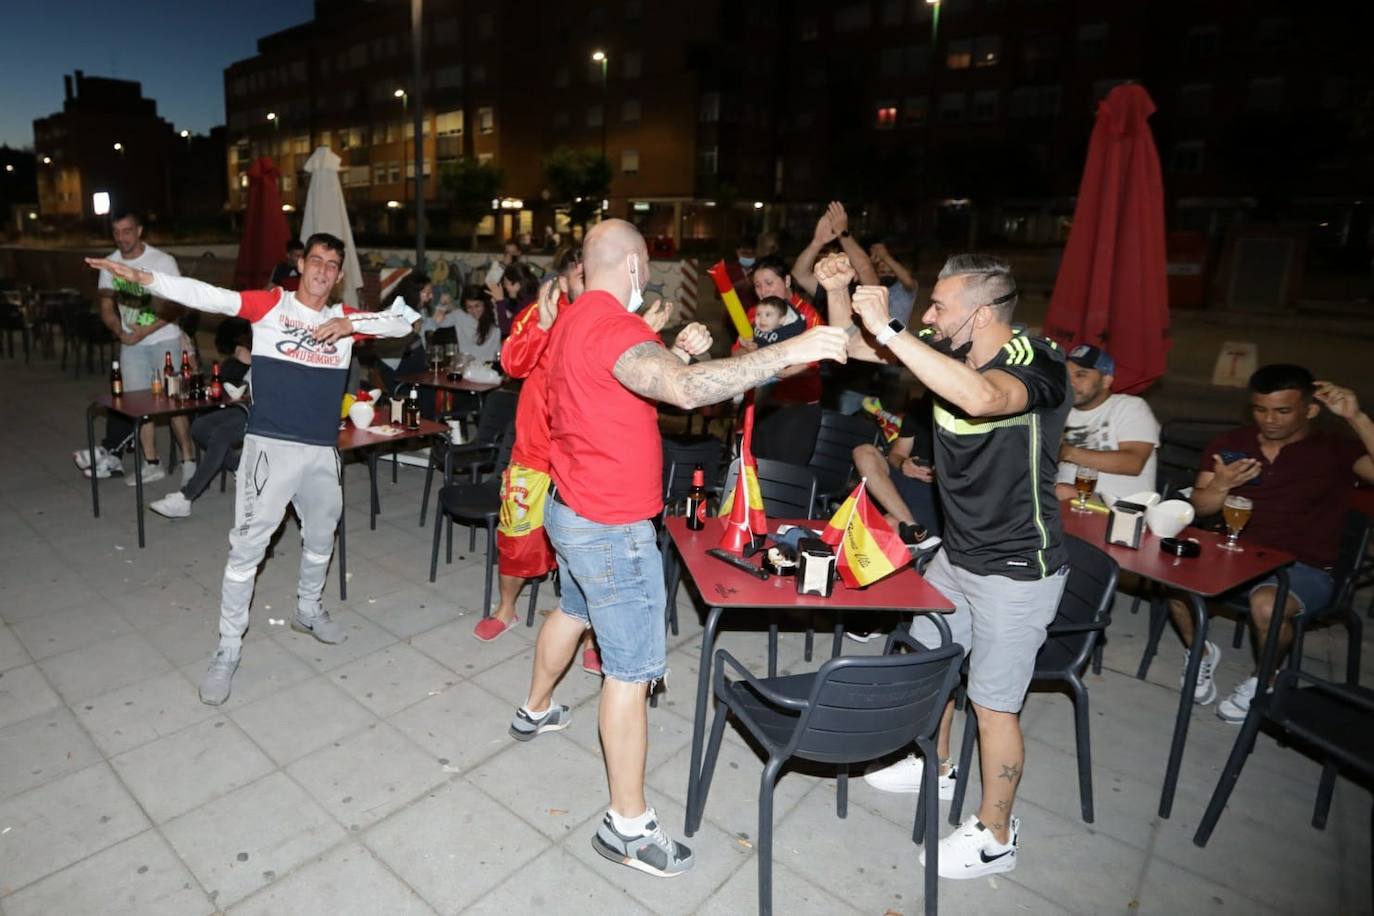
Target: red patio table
141 407
351 438
726 588
1213 573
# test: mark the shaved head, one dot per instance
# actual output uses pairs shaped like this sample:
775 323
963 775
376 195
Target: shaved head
606 254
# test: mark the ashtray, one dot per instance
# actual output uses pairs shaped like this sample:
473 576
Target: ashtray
454 376
1180 547
780 561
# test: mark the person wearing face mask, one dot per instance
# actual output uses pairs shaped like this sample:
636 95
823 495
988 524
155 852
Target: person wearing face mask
901 285
795 384
607 370
1001 400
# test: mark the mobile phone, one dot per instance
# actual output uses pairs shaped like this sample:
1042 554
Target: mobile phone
1229 457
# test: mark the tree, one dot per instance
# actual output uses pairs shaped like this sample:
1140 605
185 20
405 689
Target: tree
579 177
471 185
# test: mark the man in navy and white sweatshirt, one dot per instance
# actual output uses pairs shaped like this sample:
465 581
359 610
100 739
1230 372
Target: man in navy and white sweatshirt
301 351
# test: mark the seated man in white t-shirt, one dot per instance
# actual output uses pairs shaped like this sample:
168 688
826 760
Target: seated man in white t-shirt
1116 434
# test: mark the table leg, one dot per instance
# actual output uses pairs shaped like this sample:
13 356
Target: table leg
343 536
138 476
773 645
376 506
1185 704
708 645
838 644
90 452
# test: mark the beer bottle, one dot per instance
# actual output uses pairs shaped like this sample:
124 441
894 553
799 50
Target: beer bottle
216 389
696 500
116 380
413 409
170 378
186 370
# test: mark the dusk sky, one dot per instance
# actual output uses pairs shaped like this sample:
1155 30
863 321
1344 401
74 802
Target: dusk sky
177 50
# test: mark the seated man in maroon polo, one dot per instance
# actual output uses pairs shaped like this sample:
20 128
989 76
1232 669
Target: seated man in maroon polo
1298 478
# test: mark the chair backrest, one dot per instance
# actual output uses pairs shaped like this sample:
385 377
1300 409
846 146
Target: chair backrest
497 410
1181 444
1354 545
788 491
680 457
505 446
787 433
1087 599
832 459
863 707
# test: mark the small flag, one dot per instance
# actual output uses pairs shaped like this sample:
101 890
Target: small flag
744 504
868 550
889 422
721 275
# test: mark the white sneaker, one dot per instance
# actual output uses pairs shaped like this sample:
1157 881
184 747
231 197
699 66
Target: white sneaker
106 466
905 776
972 851
1206 690
173 505
188 470
151 472
1236 707
82 457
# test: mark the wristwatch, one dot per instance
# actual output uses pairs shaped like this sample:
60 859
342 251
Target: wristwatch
894 327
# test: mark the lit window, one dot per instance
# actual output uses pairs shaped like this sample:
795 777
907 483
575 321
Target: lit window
486 120
629 161
886 118
959 54
987 50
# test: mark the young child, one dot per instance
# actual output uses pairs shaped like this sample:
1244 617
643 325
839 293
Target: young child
771 321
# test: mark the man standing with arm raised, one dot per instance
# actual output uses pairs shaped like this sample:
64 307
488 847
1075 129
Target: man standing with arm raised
1001 399
607 369
301 350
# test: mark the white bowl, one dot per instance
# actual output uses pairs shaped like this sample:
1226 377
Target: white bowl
361 413
1168 518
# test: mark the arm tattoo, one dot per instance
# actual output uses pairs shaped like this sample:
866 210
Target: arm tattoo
651 371
1010 773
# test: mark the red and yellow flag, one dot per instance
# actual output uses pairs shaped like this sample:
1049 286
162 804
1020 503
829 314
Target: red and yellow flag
733 307
867 549
743 506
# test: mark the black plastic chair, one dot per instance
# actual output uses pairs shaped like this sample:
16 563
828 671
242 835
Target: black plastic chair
787 433
1354 544
854 709
475 504
1084 613
832 459
1333 722
498 411
12 319
788 490
680 458
1182 442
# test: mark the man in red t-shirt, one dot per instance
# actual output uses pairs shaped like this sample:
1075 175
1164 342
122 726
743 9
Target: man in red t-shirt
607 370
1298 479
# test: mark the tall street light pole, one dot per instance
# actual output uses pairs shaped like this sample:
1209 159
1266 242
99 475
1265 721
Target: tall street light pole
416 45
599 56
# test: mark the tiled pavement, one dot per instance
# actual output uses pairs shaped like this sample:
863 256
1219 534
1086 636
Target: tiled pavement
376 777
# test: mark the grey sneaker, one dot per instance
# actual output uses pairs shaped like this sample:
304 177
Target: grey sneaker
214 686
653 852
151 473
524 726
321 626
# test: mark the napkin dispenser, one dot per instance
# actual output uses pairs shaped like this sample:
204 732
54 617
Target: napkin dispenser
815 567
1126 524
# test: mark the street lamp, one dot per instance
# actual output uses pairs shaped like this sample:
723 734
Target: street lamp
599 57
47 160
276 121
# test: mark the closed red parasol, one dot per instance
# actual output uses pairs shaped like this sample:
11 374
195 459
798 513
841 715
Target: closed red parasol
263 245
1112 289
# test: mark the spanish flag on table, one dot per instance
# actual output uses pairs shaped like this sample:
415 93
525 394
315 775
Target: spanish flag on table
867 549
743 506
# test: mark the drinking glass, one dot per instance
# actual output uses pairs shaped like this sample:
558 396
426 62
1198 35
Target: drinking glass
1236 513
1084 481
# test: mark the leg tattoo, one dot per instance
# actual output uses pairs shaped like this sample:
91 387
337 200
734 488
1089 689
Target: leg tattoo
1010 773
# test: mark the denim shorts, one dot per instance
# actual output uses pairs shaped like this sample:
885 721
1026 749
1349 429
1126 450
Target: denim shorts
1310 586
138 363
613 580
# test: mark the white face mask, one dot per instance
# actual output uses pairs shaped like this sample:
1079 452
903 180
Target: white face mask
636 294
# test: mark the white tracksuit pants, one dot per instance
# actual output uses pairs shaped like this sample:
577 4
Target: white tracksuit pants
272 473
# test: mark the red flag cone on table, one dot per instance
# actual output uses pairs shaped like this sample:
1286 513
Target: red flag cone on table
867 548
747 468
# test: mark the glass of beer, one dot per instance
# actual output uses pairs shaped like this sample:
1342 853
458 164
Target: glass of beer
1084 481
1236 513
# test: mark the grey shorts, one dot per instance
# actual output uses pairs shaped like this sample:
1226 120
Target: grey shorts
138 363
1001 624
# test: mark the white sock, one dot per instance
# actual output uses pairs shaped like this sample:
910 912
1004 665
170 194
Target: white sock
631 826
537 715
